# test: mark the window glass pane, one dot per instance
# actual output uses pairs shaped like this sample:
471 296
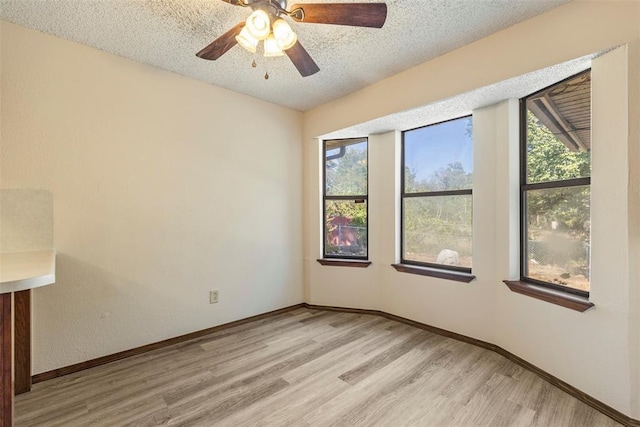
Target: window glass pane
346 228
439 157
558 236
346 167
437 230
559 131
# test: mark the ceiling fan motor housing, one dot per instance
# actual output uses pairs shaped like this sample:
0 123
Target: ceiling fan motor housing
272 7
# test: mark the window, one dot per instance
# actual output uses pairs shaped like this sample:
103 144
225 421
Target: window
554 181
437 169
345 198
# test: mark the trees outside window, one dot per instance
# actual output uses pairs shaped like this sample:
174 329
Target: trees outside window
345 198
555 185
437 177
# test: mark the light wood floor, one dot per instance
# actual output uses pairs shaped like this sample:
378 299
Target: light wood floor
307 367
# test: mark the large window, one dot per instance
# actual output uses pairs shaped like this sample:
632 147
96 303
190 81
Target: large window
555 179
345 198
437 169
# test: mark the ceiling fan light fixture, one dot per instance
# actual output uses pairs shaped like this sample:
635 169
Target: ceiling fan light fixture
284 35
259 24
246 40
266 20
271 47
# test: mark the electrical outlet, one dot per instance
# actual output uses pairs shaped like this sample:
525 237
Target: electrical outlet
213 297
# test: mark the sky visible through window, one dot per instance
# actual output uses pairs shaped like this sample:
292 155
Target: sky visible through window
434 147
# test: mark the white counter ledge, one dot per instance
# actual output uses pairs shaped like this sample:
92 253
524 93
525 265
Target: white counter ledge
26 270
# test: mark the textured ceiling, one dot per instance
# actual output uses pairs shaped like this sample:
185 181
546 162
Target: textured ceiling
463 104
168 33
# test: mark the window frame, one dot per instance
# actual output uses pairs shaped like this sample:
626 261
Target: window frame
525 187
404 195
326 197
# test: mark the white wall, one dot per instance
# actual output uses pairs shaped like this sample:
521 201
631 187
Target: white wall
634 219
26 220
596 351
161 192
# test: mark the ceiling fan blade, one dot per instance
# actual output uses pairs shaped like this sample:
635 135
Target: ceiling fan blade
302 60
355 14
221 45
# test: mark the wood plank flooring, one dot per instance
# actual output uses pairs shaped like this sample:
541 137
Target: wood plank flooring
308 368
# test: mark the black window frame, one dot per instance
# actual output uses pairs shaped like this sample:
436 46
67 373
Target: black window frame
525 187
355 198
404 195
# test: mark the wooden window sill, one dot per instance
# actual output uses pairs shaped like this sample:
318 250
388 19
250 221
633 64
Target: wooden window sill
359 263
434 272
574 302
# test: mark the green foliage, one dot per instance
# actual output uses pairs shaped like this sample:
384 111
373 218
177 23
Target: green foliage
357 212
558 226
347 175
434 223
409 179
451 177
548 159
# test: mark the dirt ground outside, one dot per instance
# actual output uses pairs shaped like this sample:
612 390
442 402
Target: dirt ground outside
558 275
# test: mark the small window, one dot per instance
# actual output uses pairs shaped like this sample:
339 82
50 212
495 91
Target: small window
437 177
555 185
345 198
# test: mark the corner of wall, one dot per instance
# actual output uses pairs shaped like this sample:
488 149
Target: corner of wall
633 55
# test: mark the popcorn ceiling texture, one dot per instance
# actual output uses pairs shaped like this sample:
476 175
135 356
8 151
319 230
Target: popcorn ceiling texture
168 33
464 103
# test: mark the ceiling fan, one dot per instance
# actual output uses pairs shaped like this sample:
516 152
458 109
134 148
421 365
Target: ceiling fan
266 23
